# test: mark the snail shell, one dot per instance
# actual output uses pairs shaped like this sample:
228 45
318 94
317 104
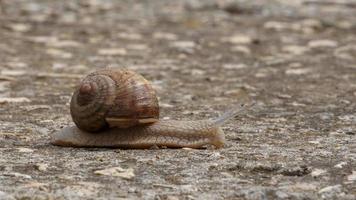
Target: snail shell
113 98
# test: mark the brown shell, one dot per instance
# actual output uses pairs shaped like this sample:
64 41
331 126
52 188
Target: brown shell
113 98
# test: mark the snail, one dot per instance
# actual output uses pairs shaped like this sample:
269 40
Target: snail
118 108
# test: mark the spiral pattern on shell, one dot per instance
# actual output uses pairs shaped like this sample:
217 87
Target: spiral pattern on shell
113 98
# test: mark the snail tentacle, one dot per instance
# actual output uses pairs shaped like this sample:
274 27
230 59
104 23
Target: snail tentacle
232 113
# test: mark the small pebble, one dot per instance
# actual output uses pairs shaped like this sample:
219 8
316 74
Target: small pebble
19 27
63 43
322 44
238 39
112 52
170 197
298 71
311 23
130 36
317 172
165 36
41 167
137 47
296 50
19 175
59 53
25 150
340 165
14 100
13 72
16 64
184 46
234 66
241 49
35 107
117 172
277 26
42 39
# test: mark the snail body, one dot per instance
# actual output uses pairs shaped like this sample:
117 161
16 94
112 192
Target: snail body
119 109
164 133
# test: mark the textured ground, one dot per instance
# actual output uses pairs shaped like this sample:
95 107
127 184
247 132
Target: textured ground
296 59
